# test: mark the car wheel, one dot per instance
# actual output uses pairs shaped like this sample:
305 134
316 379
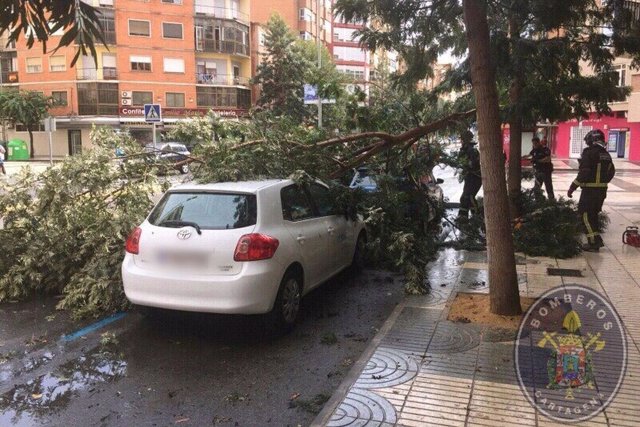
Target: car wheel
287 306
184 169
357 263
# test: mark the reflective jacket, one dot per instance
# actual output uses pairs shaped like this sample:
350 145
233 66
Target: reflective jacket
596 168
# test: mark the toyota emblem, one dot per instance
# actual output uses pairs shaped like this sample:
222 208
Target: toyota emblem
184 234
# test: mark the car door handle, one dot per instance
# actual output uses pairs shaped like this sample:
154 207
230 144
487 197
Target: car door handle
301 238
330 230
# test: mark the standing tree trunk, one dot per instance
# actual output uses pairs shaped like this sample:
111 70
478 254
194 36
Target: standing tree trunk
503 280
514 177
30 142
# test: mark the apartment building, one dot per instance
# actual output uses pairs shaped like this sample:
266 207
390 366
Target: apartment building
189 56
310 19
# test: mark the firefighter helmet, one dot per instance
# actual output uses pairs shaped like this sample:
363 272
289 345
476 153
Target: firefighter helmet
594 136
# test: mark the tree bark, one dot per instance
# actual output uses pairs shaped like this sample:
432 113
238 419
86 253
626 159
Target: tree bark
30 142
503 280
514 177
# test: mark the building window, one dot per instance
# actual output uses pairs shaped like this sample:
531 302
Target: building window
34 65
307 15
140 63
305 35
175 99
141 98
173 65
345 53
59 98
35 128
139 28
229 97
98 99
57 63
172 1
622 74
171 31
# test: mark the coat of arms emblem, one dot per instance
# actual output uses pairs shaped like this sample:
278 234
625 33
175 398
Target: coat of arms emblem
570 364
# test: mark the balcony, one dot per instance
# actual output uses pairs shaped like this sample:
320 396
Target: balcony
106 73
98 99
222 46
9 77
215 79
220 12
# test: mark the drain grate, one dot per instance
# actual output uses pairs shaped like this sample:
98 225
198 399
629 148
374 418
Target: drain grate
564 272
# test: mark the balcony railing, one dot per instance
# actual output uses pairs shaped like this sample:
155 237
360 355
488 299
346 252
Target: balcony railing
221 79
220 12
222 46
106 73
8 77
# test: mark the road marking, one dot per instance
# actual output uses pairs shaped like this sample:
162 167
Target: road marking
93 327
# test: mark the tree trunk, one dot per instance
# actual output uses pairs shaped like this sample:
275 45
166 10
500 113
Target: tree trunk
30 142
503 280
514 178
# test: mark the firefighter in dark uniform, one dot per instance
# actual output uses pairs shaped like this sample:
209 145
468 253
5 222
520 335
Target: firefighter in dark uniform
596 171
469 159
542 167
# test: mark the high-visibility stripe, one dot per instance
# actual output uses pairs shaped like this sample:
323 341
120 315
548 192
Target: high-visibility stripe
598 169
590 233
578 183
595 184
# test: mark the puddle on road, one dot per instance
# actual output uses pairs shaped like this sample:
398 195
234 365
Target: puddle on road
7 370
45 395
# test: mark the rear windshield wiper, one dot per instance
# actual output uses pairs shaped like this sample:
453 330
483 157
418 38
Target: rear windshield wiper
178 223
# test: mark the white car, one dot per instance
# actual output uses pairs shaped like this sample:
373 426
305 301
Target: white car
239 247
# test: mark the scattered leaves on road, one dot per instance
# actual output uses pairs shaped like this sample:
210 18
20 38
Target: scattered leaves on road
329 338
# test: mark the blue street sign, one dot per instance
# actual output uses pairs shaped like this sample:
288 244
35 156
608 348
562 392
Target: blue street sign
310 94
152 113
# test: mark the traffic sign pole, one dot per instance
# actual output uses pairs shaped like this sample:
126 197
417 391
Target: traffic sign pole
154 134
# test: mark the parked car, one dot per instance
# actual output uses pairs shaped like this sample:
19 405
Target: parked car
239 247
365 179
173 153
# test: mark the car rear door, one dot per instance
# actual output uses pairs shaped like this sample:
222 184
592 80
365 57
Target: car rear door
338 247
309 233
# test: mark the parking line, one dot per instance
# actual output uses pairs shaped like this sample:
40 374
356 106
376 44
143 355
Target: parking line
93 327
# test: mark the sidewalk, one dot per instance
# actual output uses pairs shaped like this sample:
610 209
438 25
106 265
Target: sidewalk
622 165
422 369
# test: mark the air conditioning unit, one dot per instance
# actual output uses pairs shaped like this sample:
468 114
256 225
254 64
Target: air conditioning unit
126 101
126 94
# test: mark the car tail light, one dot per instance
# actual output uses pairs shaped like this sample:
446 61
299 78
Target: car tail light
254 247
133 241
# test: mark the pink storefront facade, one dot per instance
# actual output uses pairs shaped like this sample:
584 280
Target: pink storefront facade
623 136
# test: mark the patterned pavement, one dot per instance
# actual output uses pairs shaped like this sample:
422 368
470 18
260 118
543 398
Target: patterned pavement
424 370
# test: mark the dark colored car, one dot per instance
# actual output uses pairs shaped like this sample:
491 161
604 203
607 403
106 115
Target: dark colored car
173 153
365 179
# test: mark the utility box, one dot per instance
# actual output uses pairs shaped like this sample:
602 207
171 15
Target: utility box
17 150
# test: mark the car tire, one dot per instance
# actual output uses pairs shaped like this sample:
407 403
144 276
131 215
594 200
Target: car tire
286 308
184 169
357 263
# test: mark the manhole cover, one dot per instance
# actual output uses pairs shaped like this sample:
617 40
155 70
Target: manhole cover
564 272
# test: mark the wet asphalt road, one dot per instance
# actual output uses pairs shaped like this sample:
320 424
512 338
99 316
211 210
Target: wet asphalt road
186 368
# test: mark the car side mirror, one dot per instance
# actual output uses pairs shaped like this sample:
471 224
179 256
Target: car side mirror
439 181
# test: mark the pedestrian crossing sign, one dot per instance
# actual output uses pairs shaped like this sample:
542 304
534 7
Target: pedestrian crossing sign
152 113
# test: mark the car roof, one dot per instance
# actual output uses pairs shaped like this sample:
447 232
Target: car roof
238 186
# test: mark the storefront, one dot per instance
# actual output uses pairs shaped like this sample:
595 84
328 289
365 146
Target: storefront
621 134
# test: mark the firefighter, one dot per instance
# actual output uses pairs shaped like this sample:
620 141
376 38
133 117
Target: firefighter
596 170
542 166
469 159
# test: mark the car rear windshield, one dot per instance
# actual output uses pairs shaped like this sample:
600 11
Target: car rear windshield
212 211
